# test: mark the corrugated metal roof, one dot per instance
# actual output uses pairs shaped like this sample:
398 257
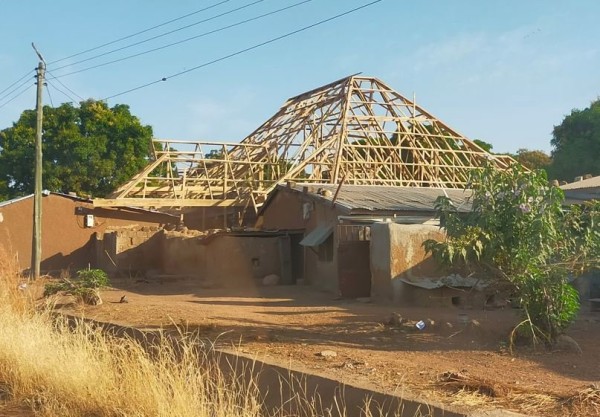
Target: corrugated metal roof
317 236
372 198
593 182
83 200
14 200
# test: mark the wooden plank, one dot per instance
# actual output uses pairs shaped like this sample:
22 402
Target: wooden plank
164 202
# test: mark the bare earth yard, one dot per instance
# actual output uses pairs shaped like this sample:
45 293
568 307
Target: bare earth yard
291 325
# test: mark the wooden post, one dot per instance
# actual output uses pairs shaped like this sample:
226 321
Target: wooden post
36 249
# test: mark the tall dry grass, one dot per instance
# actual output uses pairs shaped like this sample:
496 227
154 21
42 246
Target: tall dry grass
64 370
58 368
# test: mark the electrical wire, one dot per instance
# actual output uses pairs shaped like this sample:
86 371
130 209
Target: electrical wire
17 95
49 95
272 40
18 87
16 82
138 33
61 91
160 36
65 86
184 40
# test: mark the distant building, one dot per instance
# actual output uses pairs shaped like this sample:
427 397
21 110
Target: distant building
582 190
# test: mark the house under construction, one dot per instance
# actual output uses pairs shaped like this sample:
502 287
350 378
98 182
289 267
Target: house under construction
356 130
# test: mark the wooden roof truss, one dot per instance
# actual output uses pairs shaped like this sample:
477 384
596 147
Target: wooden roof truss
356 130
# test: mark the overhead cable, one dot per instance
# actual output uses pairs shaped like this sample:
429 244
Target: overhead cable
65 86
17 95
138 33
62 92
18 87
272 40
16 82
160 36
183 40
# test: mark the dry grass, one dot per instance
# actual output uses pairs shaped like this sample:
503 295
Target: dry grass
477 393
57 368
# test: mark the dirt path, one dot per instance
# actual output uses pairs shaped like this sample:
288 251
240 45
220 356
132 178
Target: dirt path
292 325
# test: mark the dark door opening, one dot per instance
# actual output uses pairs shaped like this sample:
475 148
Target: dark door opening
297 255
354 268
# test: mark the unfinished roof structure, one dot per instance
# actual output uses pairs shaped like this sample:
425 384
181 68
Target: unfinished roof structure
356 130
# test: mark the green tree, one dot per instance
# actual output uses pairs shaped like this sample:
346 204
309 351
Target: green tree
533 159
576 144
518 235
90 149
484 145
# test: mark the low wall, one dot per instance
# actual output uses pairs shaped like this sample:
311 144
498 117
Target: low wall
286 391
130 250
397 254
222 260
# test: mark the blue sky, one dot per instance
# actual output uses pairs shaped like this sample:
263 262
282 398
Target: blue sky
505 72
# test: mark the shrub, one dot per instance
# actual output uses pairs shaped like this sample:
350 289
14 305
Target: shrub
87 280
518 233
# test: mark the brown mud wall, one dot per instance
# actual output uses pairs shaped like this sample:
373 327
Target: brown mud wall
66 242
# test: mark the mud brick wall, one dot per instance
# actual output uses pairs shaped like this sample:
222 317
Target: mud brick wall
397 253
130 250
221 260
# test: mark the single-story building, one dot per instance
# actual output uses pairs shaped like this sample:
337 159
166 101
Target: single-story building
70 228
365 241
581 190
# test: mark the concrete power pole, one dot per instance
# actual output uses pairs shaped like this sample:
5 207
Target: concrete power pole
36 252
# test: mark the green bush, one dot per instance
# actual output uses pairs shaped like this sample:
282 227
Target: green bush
87 279
518 233
92 278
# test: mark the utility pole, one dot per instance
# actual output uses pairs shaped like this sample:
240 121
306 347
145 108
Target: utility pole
36 250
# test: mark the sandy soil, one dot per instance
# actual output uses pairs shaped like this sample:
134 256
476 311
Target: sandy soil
292 325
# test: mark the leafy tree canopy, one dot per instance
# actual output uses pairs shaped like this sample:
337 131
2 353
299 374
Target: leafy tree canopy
484 145
533 159
576 143
90 149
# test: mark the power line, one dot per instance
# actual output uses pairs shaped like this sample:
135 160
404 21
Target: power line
17 95
272 40
18 87
19 80
49 95
161 35
184 40
139 33
62 92
61 83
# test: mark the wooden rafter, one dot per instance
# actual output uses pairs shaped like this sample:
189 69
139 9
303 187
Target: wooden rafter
357 128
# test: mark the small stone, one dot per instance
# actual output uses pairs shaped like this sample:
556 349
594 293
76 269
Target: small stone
124 299
327 354
270 280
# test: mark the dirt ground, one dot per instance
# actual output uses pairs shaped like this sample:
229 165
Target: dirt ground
461 356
